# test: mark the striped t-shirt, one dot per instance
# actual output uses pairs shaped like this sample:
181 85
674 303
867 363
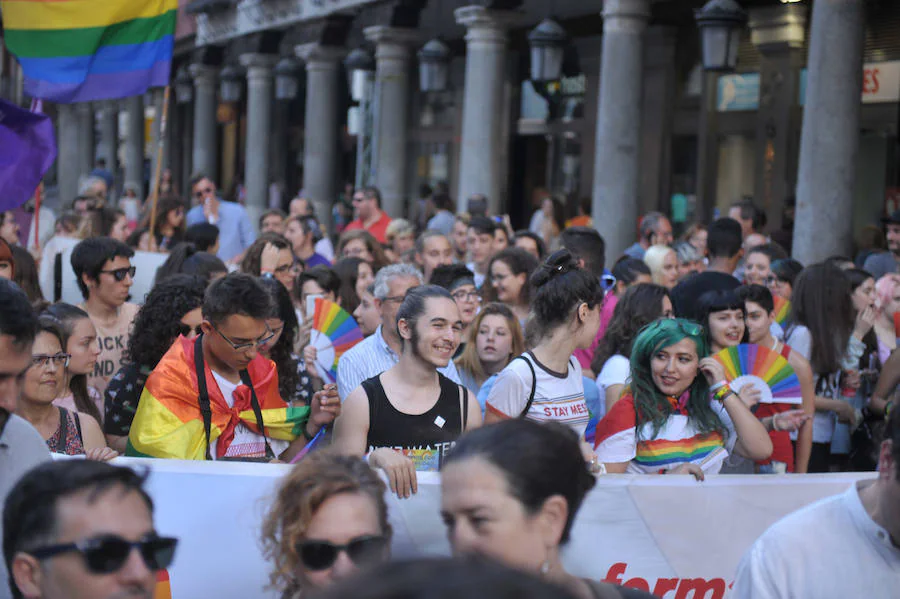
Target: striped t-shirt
558 396
678 442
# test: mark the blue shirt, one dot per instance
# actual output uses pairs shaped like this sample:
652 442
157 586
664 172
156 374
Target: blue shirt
236 233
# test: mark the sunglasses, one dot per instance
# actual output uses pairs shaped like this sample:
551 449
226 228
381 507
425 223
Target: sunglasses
119 274
202 192
107 554
185 330
321 555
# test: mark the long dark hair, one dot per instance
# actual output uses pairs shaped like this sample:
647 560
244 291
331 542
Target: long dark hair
641 305
822 303
185 258
347 270
282 352
857 277
65 316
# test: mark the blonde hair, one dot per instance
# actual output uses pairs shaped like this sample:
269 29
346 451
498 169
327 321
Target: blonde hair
398 228
654 258
316 479
469 360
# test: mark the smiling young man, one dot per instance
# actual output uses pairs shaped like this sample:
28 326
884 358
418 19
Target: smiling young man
105 275
233 410
460 282
408 417
480 241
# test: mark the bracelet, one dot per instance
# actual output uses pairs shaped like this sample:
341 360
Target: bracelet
307 435
717 386
722 392
775 424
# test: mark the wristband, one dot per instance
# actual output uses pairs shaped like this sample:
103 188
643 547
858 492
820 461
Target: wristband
307 435
717 386
722 392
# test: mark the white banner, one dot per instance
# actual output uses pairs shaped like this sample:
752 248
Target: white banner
670 535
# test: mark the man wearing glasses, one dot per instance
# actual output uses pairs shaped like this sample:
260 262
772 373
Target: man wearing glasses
369 216
104 273
216 398
82 528
235 229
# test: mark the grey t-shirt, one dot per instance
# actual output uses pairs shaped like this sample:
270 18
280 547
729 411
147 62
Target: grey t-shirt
21 449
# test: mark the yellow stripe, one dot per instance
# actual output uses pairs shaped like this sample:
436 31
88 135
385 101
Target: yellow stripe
157 432
79 14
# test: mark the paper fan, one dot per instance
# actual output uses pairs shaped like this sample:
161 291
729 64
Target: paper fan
773 376
334 332
782 309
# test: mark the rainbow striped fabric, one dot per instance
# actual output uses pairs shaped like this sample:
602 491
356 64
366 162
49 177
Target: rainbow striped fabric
84 50
168 423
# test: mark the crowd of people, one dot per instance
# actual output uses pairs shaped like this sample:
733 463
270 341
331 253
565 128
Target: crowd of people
514 362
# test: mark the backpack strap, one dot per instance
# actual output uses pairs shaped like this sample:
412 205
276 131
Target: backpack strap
78 427
202 391
533 385
464 416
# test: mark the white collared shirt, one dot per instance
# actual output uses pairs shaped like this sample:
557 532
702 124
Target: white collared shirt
831 548
371 357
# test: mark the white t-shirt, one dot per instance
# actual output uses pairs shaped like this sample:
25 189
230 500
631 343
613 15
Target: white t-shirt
831 548
616 371
246 443
558 397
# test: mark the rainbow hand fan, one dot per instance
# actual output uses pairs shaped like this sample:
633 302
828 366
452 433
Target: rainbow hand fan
782 309
334 332
768 370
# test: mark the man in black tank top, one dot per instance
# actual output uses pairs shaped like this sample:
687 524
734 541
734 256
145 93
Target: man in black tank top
409 416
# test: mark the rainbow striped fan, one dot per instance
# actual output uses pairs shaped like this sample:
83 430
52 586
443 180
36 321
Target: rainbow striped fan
782 309
773 376
333 333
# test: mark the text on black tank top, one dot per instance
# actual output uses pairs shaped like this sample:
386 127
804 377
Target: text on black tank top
424 438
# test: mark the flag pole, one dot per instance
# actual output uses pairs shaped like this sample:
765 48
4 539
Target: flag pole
154 192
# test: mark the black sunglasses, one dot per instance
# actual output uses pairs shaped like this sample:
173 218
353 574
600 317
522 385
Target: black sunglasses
107 554
187 330
120 273
321 555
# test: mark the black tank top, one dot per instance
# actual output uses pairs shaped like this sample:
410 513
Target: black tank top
424 438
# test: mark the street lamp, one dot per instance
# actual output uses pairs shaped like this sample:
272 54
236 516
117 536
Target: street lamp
287 83
184 86
231 84
548 44
720 23
360 65
434 66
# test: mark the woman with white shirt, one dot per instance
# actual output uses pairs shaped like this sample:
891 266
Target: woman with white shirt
641 305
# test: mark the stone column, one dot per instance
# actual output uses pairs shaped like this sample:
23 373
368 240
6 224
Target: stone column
320 145
657 116
778 32
259 128
67 167
134 143
830 138
109 135
392 56
617 158
205 104
482 144
85 114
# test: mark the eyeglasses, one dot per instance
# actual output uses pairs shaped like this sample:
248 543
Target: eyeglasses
772 280
321 555
267 336
59 360
393 298
107 554
471 296
202 192
292 268
119 274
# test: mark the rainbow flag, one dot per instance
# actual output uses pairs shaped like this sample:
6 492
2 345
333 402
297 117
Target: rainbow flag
168 423
85 50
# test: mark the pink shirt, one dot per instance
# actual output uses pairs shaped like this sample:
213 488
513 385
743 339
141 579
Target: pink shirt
585 356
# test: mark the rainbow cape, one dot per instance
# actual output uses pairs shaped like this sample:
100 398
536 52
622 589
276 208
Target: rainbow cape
168 423
84 50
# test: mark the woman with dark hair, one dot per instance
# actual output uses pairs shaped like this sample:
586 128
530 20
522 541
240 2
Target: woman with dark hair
328 520
79 338
828 333
359 243
758 262
494 339
784 273
294 382
171 309
511 492
271 256
139 239
66 432
185 259
545 384
507 281
641 305
722 315
670 404
27 274
356 275
110 222
170 222
7 263
554 222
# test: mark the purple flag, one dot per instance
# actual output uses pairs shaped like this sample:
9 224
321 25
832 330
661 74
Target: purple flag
27 149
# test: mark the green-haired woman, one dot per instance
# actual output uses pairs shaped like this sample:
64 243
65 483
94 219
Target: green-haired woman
671 419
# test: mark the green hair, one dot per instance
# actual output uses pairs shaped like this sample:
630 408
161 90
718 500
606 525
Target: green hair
650 404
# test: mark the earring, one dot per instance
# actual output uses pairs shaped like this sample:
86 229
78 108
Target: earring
545 567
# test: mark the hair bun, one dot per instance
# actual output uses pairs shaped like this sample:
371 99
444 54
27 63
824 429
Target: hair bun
558 263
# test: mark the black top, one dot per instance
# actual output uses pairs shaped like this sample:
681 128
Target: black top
424 437
122 396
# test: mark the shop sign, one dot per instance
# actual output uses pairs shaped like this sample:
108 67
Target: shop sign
881 83
738 92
